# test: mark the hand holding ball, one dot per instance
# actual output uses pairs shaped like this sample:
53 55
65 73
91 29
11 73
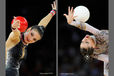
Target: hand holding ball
23 23
82 13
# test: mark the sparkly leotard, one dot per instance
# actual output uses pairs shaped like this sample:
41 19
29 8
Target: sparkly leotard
14 58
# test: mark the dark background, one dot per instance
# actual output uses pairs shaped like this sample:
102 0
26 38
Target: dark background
41 56
71 62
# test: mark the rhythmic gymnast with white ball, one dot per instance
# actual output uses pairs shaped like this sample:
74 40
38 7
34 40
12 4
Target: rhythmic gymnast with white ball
92 46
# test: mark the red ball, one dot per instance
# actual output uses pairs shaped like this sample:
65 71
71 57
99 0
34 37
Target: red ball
23 23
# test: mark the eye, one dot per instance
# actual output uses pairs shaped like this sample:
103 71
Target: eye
87 42
32 34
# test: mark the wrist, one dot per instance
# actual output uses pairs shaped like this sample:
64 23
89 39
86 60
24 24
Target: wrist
53 12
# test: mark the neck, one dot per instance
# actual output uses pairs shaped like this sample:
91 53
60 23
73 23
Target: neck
94 41
22 38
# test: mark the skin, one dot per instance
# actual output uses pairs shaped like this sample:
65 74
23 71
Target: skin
87 42
30 36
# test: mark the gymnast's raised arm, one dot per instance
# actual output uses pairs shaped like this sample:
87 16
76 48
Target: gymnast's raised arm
78 24
44 22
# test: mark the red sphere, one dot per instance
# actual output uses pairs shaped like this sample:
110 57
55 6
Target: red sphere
23 23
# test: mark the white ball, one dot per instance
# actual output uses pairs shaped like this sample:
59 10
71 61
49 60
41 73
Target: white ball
82 13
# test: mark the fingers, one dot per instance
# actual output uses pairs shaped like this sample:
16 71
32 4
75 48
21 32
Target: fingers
65 15
53 5
17 23
70 10
14 17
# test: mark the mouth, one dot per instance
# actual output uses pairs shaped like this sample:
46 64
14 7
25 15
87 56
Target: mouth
87 36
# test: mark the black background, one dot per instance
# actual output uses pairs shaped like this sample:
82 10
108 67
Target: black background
70 59
41 56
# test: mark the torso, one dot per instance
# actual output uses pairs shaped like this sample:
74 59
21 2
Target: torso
14 52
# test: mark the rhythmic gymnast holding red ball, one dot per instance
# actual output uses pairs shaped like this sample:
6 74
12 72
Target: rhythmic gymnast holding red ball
20 37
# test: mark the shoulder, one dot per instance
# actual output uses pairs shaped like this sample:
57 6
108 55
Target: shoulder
103 34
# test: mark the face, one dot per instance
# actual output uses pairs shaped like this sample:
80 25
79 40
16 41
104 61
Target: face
31 36
87 42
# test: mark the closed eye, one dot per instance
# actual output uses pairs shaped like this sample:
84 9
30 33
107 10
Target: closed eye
32 34
87 42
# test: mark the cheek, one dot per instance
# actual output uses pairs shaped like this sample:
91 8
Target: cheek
82 45
90 41
29 35
38 37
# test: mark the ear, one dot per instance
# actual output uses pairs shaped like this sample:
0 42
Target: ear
28 29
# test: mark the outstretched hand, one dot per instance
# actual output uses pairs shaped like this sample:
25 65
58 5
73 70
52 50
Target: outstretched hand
53 5
70 16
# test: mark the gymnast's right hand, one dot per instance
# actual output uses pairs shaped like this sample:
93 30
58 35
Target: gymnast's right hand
15 24
70 16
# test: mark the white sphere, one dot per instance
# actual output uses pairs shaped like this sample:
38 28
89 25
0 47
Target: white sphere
82 13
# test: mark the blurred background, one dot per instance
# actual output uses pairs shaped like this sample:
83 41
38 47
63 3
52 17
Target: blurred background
41 56
71 62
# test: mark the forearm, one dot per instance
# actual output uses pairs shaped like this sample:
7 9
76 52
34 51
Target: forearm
106 69
102 57
85 26
44 22
78 24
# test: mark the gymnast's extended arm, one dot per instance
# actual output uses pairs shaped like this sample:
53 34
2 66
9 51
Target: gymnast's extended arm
44 22
78 24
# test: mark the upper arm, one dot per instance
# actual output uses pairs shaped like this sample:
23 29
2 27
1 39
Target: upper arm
44 22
